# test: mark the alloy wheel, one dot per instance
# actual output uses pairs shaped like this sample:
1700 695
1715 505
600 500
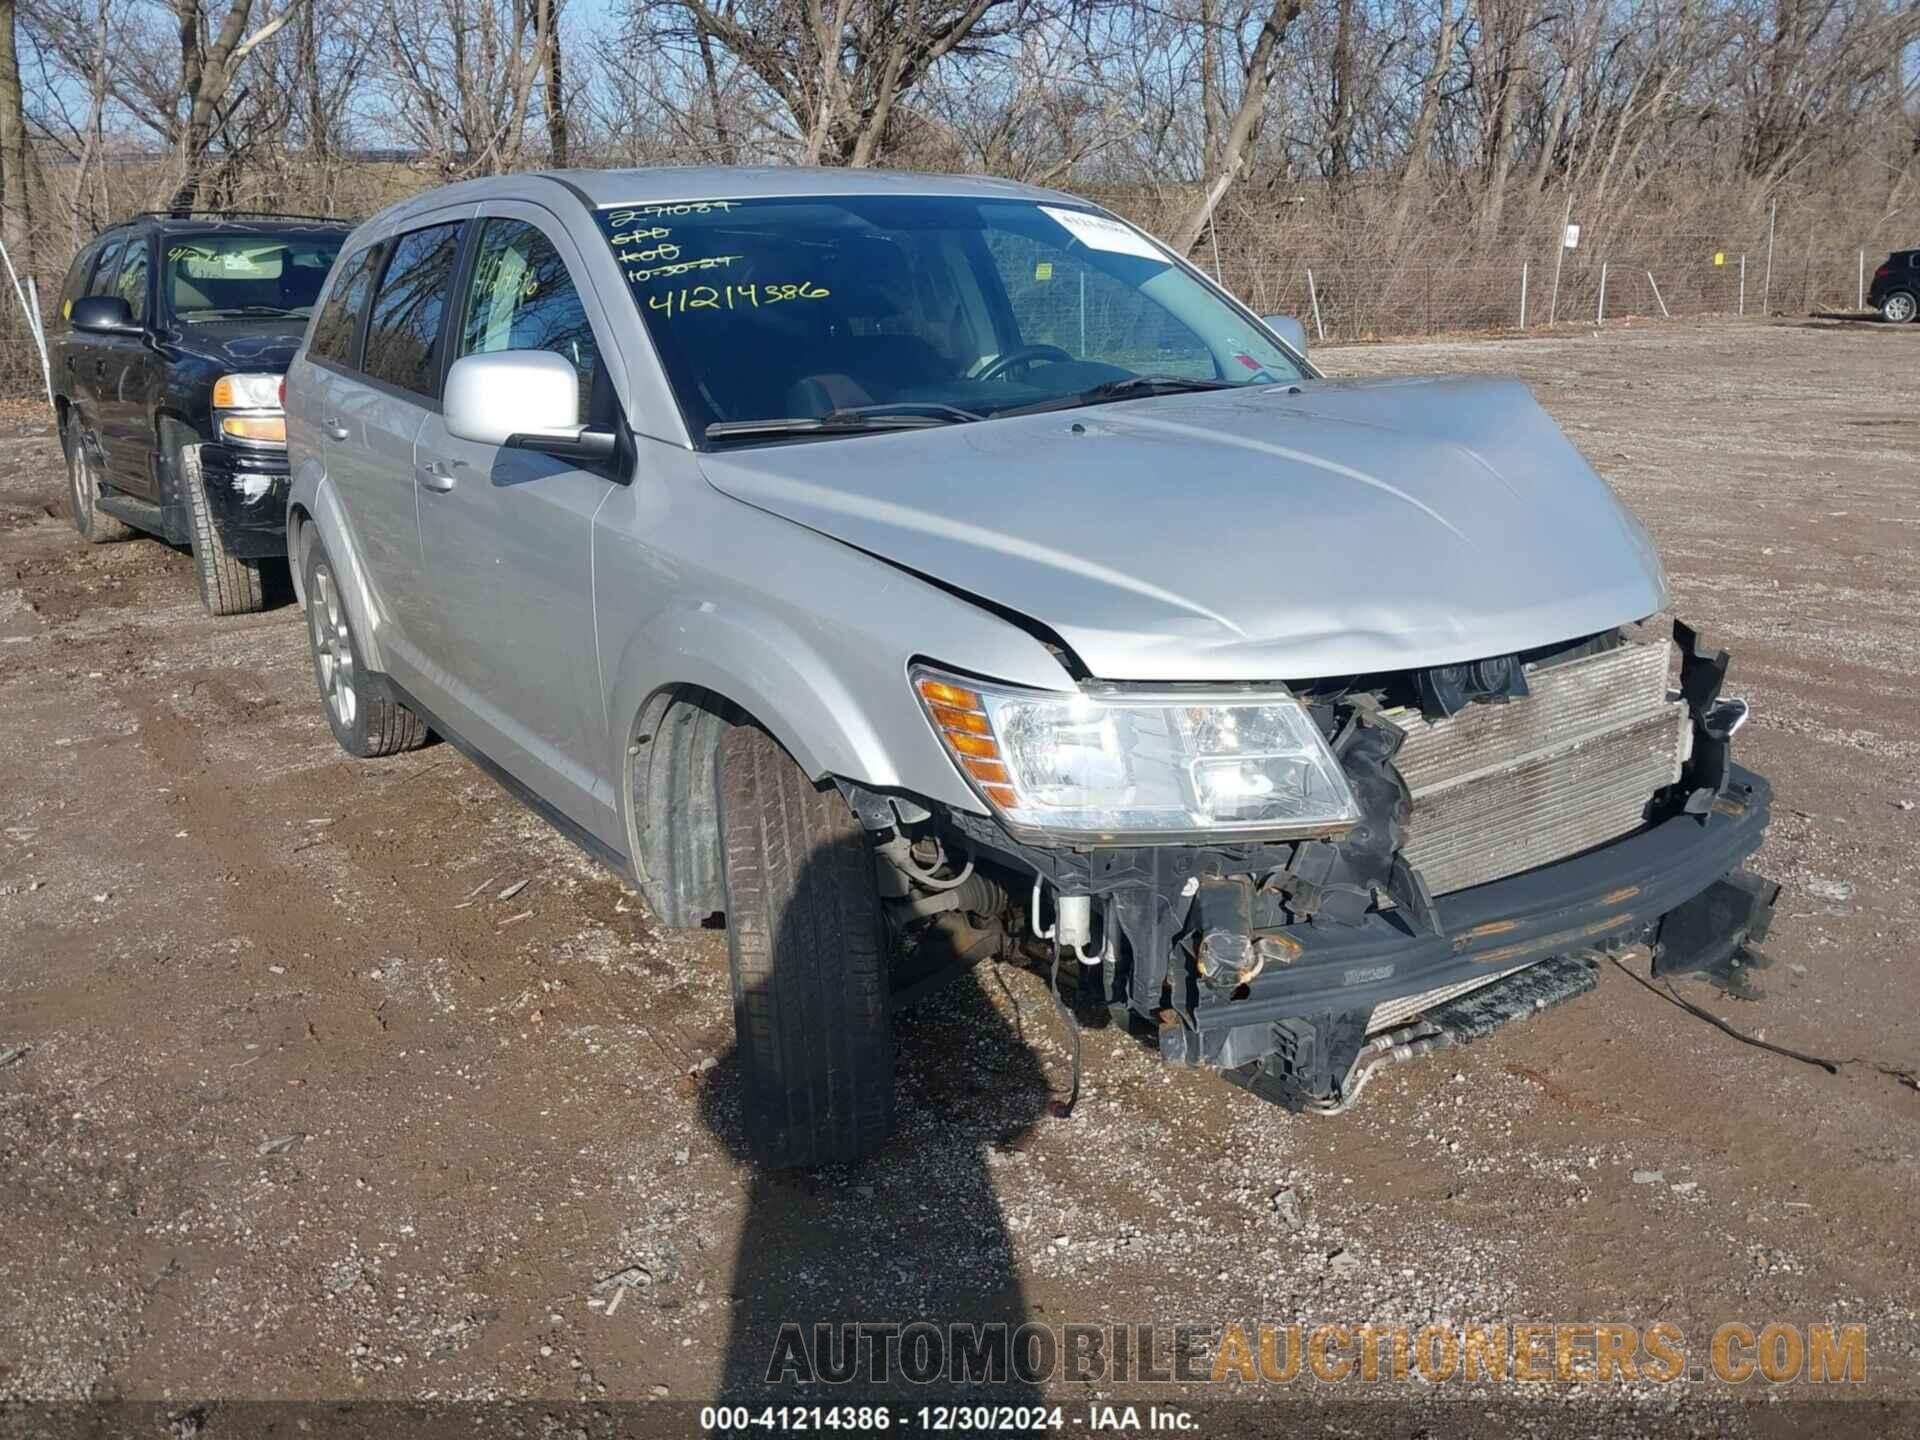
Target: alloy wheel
1899 308
333 646
84 482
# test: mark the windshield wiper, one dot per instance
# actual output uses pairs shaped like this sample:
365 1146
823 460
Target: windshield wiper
1127 389
854 420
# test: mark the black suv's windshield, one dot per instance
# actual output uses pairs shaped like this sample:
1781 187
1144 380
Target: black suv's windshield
236 277
949 307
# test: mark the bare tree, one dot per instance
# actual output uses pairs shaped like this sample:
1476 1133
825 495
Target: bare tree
843 68
1230 139
13 144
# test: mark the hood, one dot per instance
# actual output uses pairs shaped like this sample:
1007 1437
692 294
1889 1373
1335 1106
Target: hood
1325 529
243 345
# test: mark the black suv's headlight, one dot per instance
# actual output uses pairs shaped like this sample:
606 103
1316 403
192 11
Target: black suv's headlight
251 409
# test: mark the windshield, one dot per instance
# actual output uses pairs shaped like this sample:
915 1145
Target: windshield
942 308
228 277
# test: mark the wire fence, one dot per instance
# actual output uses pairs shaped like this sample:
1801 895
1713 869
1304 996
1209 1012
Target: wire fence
1348 299
1345 299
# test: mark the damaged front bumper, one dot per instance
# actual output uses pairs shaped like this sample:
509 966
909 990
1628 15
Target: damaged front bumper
1279 963
247 498
1628 891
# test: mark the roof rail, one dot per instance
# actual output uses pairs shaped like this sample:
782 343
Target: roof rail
198 214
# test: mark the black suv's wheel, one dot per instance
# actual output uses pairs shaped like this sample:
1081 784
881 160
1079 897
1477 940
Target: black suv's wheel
229 585
807 948
83 488
1898 308
365 725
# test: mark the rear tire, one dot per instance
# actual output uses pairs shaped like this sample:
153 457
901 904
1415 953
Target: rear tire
83 489
366 725
229 585
1899 308
807 948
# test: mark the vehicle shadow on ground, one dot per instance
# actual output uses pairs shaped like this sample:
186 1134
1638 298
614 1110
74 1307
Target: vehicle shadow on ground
913 1237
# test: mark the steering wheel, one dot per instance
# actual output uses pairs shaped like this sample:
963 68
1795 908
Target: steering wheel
1023 355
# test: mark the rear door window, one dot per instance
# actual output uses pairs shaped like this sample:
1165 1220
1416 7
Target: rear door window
77 277
336 333
403 333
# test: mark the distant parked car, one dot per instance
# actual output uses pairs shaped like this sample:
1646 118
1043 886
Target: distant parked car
168 354
859 555
1896 287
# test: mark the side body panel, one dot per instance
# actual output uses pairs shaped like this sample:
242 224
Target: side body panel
811 637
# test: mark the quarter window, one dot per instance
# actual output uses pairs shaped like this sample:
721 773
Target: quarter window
521 297
403 336
338 327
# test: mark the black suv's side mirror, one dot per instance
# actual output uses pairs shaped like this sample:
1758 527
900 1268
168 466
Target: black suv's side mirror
104 315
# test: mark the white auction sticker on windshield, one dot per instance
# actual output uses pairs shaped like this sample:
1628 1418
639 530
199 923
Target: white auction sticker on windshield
1098 232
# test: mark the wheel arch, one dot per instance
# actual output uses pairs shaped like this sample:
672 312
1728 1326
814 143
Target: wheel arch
314 516
673 825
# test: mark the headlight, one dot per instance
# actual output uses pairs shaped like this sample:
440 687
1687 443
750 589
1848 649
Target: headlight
1151 765
261 420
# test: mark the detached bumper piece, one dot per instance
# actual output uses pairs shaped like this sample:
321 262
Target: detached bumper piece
1304 1076
1712 933
247 497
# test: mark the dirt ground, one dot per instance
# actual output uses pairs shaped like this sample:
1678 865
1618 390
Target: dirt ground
352 1079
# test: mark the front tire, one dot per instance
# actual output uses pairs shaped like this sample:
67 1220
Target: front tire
806 944
366 725
229 585
94 525
1899 308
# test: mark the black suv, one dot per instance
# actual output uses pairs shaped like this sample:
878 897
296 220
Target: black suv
168 355
1896 287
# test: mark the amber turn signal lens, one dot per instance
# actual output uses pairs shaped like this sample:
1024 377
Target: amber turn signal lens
940 693
265 428
971 721
224 397
960 717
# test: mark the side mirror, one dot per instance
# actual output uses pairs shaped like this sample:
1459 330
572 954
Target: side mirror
104 315
523 400
1289 329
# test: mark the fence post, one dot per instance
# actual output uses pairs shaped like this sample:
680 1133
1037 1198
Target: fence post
1319 330
1766 286
28 295
1656 299
1860 286
1743 283
1600 311
1523 294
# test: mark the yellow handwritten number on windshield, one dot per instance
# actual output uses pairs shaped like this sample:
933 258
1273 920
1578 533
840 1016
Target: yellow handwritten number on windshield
733 297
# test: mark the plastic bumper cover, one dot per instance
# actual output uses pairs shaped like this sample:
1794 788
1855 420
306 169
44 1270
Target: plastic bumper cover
1615 892
247 497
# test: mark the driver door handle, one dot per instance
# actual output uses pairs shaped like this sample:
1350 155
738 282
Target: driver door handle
335 430
434 476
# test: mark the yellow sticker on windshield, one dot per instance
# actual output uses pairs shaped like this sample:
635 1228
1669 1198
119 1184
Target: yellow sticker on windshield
1043 270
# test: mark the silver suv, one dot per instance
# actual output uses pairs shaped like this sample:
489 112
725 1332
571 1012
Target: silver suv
900 566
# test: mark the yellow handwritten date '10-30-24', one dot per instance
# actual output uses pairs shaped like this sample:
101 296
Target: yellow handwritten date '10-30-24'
733 297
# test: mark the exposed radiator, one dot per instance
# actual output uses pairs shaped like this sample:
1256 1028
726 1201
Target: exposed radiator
1498 789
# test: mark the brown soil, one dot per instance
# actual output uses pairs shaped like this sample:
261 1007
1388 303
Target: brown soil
310 1112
